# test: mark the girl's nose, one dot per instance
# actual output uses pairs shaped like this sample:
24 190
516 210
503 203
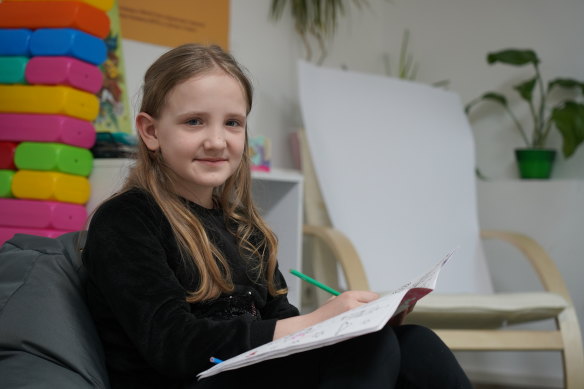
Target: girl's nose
215 138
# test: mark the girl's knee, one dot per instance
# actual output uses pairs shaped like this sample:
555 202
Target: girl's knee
415 331
417 336
427 360
382 342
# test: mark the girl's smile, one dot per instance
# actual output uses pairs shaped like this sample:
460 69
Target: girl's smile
211 161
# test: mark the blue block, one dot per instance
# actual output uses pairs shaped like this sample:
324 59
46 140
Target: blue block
15 41
68 42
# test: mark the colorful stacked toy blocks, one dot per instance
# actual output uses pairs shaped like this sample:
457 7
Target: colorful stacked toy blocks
50 52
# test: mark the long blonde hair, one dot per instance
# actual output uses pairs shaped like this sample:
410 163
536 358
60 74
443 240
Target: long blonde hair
151 174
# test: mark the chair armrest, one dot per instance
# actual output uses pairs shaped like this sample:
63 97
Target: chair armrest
544 266
347 255
344 251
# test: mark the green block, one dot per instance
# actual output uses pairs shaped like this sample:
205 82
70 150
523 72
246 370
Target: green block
6 183
12 70
55 157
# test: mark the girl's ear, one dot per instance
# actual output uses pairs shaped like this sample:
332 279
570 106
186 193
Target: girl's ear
146 127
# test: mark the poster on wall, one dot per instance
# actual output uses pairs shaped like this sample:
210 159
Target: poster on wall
114 108
172 23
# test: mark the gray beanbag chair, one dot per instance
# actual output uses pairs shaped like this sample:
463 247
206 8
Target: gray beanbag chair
47 336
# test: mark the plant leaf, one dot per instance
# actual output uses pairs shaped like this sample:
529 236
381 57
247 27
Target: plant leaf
496 97
513 57
569 119
525 89
300 16
566 83
277 8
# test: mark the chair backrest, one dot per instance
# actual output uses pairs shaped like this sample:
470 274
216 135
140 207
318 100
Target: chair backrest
395 163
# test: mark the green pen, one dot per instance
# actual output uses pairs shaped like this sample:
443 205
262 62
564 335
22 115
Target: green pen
314 282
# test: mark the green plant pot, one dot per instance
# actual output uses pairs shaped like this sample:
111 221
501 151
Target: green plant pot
535 163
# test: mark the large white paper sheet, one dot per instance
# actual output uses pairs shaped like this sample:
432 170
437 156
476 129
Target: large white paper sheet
395 161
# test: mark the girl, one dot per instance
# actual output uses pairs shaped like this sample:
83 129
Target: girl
182 267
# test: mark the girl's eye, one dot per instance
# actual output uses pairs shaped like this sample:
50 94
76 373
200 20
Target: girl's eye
193 122
232 123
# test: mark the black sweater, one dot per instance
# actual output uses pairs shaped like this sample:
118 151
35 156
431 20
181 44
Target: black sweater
136 293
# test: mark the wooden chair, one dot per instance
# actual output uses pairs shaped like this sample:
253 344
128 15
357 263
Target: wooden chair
465 321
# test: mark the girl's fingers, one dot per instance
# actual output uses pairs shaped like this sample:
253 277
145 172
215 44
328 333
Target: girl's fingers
363 295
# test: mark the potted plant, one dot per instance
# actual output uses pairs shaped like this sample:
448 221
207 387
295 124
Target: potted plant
313 18
566 113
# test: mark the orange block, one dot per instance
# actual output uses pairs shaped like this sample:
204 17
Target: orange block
104 5
54 14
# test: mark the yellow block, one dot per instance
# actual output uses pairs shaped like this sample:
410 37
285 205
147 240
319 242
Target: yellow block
62 100
37 185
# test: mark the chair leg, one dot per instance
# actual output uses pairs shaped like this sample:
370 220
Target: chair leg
573 354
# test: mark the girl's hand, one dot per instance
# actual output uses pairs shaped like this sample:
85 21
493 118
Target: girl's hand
342 303
334 306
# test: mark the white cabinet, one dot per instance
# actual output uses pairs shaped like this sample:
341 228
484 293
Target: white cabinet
106 178
278 194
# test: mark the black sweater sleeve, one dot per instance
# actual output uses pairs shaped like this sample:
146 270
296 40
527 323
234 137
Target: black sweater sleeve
278 306
136 292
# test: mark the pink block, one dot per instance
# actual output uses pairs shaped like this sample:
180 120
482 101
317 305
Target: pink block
64 71
7 233
42 214
47 128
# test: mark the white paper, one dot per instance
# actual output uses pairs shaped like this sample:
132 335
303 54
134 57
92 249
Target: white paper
395 163
362 320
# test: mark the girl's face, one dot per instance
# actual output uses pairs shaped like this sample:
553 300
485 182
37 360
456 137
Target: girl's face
200 133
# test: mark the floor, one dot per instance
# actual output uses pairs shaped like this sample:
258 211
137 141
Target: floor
492 386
